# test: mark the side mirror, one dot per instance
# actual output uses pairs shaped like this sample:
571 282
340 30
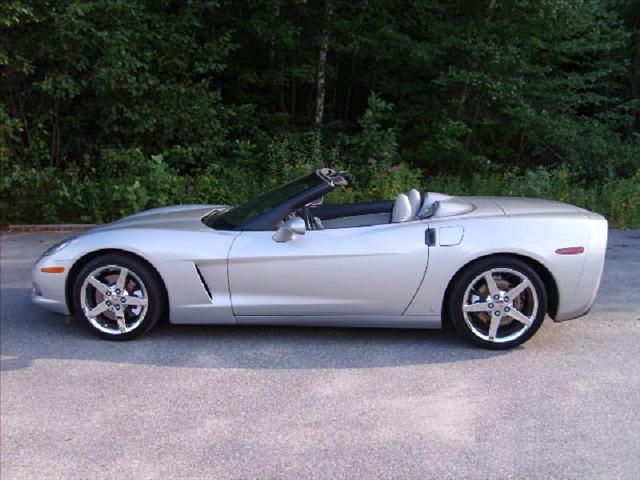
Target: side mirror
289 229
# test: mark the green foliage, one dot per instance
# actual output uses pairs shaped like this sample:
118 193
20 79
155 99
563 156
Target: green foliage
617 199
127 182
49 195
374 142
111 106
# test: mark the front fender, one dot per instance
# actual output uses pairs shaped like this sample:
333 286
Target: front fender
174 255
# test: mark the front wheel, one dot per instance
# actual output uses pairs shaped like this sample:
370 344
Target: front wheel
118 296
498 302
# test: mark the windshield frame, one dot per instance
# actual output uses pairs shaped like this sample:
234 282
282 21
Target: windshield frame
264 212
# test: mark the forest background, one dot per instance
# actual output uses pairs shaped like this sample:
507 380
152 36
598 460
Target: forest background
109 107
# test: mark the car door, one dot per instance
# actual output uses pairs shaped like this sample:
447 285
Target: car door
372 270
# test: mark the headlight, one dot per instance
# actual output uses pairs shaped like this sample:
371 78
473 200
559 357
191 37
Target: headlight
56 248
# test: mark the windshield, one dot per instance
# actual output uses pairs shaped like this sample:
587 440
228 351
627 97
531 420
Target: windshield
236 216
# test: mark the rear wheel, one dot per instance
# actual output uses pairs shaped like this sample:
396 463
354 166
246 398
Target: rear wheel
498 302
118 297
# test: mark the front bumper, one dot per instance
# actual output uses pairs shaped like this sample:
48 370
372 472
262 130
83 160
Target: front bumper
50 304
49 289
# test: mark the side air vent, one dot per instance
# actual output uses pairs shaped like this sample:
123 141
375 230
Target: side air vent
204 284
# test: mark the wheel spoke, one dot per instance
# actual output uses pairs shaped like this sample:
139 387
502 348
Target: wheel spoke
97 284
122 324
122 278
133 300
477 307
493 327
518 289
519 316
491 284
97 310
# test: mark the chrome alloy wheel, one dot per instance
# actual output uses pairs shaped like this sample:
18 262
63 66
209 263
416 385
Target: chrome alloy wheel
500 305
114 299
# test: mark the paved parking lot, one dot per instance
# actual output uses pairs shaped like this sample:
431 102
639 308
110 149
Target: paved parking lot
237 402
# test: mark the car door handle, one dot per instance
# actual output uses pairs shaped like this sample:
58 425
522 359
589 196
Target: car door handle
430 237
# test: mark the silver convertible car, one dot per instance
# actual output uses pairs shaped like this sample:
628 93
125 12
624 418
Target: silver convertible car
492 267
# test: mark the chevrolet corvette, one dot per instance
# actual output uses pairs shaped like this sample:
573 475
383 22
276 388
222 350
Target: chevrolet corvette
493 267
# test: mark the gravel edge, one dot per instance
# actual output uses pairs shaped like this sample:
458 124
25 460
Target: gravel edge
64 227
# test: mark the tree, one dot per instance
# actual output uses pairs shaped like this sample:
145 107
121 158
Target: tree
322 63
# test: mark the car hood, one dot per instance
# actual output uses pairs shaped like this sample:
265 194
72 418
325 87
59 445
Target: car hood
177 217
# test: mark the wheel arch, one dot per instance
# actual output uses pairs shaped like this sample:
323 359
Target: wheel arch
82 261
543 272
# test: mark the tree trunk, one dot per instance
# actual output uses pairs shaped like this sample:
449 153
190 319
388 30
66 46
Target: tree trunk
347 103
293 96
334 101
17 108
292 83
55 134
322 65
477 110
281 82
474 63
492 6
521 147
635 80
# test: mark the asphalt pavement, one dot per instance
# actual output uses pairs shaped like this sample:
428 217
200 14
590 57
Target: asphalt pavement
272 403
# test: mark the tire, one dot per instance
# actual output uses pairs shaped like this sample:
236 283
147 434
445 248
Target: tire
502 315
118 297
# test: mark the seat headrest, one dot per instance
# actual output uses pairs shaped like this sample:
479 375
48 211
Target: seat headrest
401 209
414 201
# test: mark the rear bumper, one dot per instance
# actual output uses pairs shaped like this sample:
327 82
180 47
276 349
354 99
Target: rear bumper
582 300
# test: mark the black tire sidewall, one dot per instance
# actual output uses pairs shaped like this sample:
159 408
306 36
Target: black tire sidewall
151 280
468 274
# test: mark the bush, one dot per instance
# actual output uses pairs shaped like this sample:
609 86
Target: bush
131 182
618 199
126 181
